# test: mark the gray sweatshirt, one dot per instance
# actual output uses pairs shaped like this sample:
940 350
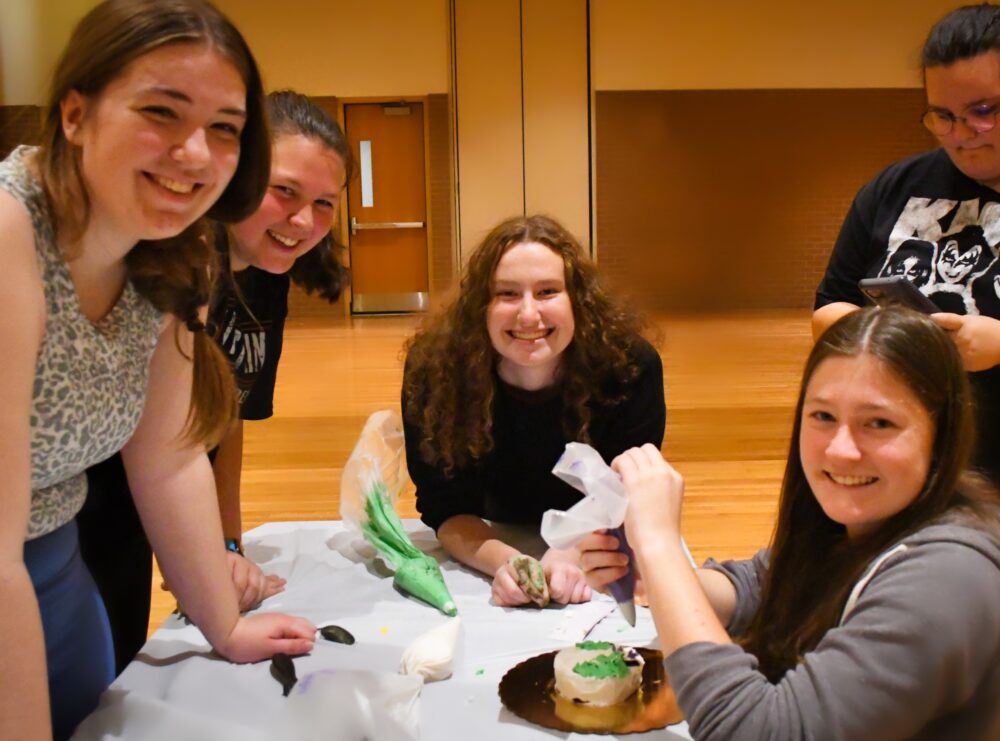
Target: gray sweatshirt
916 654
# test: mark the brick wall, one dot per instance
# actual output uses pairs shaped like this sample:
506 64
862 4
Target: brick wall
733 199
440 203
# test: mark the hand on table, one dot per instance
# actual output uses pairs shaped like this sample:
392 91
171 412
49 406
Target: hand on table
567 581
977 338
563 578
252 585
505 591
259 637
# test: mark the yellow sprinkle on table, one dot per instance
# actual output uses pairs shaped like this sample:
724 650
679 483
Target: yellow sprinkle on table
384 631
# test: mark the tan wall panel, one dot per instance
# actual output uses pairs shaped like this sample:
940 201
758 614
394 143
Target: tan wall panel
340 47
33 34
556 146
348 48
690 44
441 202
488 100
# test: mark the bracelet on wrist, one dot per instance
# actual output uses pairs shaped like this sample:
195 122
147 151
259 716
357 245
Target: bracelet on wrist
233 545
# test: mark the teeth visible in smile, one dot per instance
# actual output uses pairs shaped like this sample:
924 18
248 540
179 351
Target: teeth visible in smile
283 240
174 186
537 335
851 480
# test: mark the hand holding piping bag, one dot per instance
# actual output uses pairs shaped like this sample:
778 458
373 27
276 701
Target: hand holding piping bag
603 507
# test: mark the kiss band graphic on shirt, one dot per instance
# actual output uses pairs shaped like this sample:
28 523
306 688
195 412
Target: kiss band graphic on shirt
245 346
949 250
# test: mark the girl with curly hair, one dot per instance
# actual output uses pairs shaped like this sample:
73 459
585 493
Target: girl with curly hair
531 355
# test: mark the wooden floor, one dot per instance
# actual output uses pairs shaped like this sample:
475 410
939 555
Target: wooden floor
731 383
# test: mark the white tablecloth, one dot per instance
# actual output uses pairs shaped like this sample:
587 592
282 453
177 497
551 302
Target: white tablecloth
177 689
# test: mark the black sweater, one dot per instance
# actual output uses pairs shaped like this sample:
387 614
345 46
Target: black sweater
514 483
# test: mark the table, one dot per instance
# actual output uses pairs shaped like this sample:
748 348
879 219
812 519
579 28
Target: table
177 689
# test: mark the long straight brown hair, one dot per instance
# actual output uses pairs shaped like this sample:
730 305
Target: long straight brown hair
797 606
173 274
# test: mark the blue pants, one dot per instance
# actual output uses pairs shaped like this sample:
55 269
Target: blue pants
78 649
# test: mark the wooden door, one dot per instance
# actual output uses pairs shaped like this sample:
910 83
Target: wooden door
387 207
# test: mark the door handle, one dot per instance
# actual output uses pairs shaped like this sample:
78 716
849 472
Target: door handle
356 226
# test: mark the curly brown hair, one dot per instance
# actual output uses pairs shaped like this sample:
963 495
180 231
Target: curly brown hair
448 387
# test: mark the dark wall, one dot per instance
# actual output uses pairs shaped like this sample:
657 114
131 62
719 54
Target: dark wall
733 199
19 124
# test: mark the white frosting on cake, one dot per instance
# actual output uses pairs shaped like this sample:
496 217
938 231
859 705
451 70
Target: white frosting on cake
596 690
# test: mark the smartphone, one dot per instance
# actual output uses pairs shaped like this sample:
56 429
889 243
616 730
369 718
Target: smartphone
896 290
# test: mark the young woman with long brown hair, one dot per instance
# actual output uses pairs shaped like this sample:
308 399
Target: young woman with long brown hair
155 119
875 612
531 355
288 238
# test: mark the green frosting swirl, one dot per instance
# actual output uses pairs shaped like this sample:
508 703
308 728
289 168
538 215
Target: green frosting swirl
605 666
594 645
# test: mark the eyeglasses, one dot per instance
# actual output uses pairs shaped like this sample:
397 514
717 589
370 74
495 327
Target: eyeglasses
980 117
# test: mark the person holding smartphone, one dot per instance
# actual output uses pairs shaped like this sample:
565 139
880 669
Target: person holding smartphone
935 218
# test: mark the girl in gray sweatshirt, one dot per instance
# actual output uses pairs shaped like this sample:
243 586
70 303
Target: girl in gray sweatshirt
875 613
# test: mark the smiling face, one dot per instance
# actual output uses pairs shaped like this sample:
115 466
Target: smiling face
298 209
954 265
530 318
956 88
159 144
865 441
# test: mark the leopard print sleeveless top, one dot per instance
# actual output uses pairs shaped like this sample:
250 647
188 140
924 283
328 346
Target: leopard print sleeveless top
90 378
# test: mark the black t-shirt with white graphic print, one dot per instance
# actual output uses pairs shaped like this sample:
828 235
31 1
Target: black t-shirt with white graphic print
924 219
248 322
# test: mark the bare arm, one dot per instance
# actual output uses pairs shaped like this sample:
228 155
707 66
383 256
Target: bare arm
471 541
824 316
603 564
24 704
174 491
684 611
252 585
227 468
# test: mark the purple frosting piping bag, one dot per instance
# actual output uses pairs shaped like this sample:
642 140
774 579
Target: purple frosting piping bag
623 590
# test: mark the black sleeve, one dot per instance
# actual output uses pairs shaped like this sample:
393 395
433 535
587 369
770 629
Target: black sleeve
851 254
438 497
642 416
